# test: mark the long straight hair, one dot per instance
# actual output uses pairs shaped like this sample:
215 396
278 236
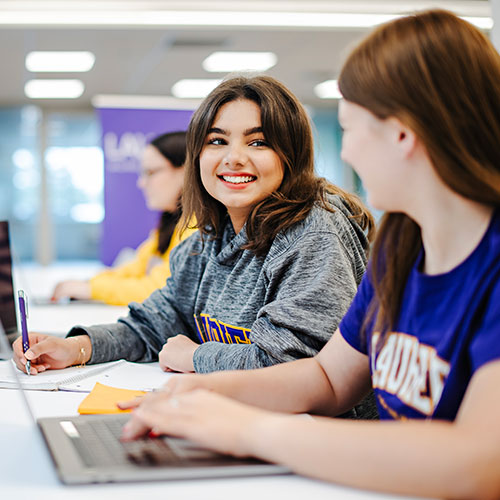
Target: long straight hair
171 146
440 76
288 132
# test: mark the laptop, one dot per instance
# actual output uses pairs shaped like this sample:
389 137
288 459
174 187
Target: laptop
7 300
86 449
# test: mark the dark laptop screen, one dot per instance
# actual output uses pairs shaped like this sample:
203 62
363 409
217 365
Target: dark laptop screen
7 304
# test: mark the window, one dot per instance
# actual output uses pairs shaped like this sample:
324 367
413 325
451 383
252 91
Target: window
54 207
75 183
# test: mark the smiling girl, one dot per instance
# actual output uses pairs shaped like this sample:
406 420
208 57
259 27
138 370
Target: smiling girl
276 261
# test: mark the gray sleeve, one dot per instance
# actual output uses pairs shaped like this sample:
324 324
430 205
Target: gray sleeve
110 342
167 312
311 285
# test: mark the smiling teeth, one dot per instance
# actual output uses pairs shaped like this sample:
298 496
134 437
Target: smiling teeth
239 179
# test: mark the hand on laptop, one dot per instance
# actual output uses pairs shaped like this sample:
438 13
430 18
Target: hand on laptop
48 352
176 386
210 420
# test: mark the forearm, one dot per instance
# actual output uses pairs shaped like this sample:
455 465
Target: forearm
419 458
110 342
295 387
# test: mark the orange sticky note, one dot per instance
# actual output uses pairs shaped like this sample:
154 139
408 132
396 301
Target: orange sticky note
103 399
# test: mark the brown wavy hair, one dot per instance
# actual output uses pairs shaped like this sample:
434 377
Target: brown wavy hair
440 76
287 130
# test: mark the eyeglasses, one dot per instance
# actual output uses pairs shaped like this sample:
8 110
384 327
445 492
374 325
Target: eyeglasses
148 173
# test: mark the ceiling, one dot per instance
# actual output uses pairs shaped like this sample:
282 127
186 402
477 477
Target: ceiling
135 60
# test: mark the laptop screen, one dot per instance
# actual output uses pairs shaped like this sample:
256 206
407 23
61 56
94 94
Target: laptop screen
7 301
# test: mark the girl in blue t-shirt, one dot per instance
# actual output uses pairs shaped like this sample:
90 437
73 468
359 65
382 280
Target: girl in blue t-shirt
421 119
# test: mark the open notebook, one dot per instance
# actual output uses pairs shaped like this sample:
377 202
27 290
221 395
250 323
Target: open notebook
121 374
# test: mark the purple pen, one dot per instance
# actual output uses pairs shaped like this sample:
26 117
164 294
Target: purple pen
23 311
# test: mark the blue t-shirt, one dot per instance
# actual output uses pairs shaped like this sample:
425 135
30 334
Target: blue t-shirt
448 327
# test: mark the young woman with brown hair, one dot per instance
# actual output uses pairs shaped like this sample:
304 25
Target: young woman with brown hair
275 263
421 120
161 179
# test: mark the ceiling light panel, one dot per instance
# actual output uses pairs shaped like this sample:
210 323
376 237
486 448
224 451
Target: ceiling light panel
55 61
194 88
328 90
193 18
225 62
54 89
328 15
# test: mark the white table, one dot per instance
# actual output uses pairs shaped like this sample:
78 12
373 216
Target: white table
39 281
58 319
27 473
26 469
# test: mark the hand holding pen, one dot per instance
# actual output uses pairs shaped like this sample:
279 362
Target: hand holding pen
23 311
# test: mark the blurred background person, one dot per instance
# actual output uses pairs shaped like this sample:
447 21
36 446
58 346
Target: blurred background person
161 180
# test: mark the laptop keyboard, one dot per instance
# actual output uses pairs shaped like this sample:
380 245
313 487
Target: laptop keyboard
99 444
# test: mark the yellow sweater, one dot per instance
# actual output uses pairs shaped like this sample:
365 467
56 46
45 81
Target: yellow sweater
136 280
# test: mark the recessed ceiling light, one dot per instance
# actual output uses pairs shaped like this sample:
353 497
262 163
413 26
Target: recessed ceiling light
54 89
225 62
328 90
194 88
68 61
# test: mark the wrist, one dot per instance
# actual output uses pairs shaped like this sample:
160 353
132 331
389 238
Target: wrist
87 290
191 360
82 349
260 432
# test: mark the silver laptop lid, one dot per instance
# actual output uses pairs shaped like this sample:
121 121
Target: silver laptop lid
7 299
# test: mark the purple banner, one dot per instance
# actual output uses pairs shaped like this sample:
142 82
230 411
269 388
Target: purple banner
125 132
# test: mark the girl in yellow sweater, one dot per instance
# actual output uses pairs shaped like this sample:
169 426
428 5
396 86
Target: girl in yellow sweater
161 179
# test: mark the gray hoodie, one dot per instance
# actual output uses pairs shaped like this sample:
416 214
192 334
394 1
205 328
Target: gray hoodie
246 311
